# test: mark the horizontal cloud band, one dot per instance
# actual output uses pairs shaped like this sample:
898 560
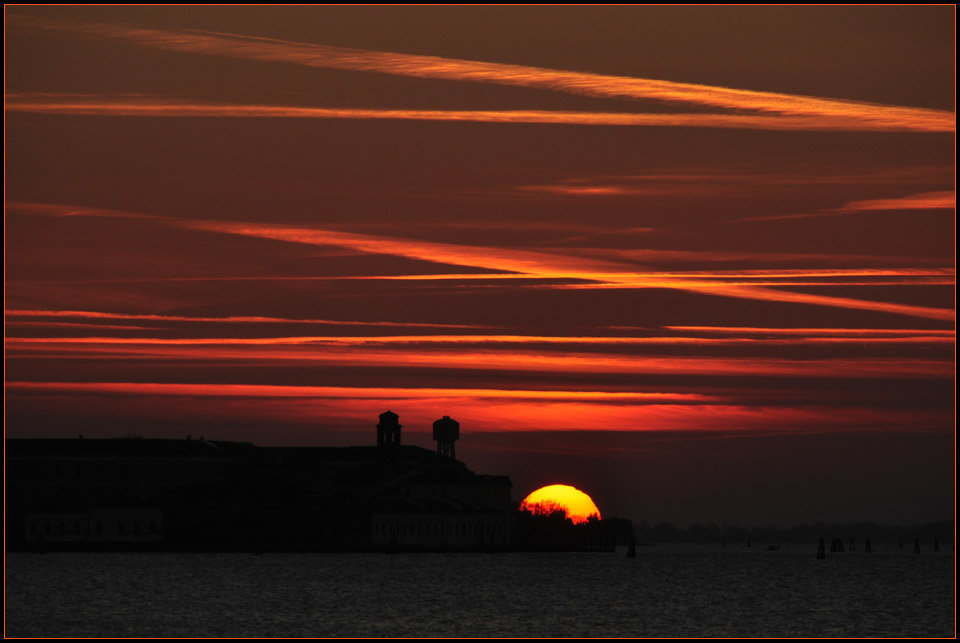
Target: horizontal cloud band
826 111
146 108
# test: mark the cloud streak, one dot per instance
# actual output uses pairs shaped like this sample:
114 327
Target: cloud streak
267 390
800 176
172 109
544 265
478 409
821 112
943 200
871 332
940 200
554 266
650 255
907 337
478 359
87 314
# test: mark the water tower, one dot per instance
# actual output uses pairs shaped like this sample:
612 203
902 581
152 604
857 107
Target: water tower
388 431
446 431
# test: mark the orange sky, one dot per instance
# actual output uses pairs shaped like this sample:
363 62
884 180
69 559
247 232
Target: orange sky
677 241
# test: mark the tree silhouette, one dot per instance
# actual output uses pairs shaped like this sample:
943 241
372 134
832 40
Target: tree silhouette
547 508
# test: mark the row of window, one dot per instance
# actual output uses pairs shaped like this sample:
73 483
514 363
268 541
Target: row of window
44 470
75 528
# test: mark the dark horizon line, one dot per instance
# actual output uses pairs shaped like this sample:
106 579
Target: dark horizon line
669 529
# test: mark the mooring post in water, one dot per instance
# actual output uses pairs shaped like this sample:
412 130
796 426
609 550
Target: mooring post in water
821 549
867 547
916 546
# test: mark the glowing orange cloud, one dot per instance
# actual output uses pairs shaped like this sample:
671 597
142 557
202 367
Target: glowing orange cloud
86 314
878 332
508 260
769 294
480 409
194 110
544 265
264 390
918 336
551 266
942 200
592 190
922 201
816 112
805 273
774 277
903 281
710 256
478 359
575 504
83 325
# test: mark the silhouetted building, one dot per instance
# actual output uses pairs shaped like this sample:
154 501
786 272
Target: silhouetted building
446 432
388 431
218 495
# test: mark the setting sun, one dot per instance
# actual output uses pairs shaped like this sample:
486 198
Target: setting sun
576 504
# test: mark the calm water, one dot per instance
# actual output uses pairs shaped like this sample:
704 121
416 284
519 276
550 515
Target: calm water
688 591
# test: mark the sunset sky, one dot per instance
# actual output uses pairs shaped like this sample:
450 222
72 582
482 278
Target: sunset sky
696 261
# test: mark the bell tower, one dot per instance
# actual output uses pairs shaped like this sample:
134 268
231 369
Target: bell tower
446 431
388 431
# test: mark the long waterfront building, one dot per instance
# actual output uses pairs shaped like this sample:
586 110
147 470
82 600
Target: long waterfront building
196 494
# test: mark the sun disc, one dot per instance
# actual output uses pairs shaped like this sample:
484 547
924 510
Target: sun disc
576 505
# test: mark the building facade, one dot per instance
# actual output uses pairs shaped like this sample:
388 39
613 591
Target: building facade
153 494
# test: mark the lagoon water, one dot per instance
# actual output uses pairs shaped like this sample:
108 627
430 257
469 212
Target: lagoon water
667 590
